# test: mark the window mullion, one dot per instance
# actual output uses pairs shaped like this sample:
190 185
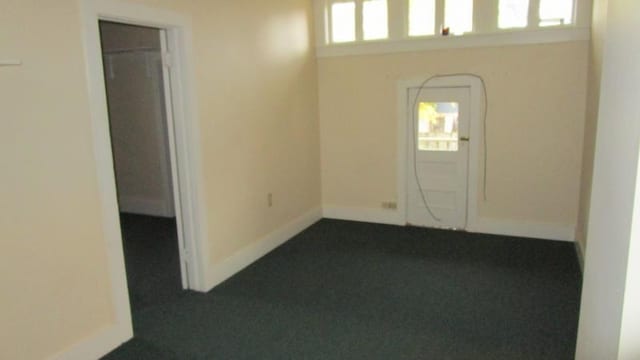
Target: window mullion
359 30
485 16
534 14
328 22
398 19
439 15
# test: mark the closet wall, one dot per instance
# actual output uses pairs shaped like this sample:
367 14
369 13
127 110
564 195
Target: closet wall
133 76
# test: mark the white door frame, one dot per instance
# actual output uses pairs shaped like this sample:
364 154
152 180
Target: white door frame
187 151
475 135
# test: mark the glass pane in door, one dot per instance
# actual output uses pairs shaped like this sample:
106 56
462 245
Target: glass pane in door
438 126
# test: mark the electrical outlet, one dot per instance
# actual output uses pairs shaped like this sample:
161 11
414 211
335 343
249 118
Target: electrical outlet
269 199
391 205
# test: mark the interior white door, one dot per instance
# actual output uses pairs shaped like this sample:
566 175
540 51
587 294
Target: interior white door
438 156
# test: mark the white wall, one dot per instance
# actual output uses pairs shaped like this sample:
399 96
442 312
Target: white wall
608 320
53 264
137 117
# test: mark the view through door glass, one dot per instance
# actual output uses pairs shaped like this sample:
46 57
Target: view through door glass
438 126
438 157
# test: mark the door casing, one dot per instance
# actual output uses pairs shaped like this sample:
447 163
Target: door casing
187 150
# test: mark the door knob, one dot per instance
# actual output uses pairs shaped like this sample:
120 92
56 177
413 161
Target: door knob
464 138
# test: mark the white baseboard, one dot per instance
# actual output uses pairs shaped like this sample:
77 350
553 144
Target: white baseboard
258 249
547 231
530 229
580 253
379 216
98 345
145 206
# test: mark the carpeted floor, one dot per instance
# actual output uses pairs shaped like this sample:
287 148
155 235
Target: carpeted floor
151 259
347 290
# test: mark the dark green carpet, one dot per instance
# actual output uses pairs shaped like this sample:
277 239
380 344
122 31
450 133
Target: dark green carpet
152 260
347 290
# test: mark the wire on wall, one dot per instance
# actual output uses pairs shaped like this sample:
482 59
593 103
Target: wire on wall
423 85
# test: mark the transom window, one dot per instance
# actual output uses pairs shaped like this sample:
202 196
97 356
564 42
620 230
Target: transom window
375 20
348 21
513 14
343 22
422 17
556 12
458 17
358 20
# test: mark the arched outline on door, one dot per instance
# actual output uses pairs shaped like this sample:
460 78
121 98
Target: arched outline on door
475 135
187 150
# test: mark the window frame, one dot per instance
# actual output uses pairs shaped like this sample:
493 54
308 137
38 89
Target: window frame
359 22
485 29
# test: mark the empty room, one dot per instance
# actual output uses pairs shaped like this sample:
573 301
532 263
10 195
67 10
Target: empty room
320 179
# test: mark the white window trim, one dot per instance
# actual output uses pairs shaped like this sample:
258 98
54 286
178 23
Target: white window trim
486 32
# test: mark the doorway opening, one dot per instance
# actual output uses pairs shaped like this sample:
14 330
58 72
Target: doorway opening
142 144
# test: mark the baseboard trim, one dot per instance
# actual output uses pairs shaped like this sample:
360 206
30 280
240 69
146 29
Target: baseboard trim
527 229
580 254
260 248
378 216
97 346
143 206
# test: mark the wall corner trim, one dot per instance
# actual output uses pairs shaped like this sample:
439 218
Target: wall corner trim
98 345
251 253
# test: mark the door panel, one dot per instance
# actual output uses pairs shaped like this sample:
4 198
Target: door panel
438 155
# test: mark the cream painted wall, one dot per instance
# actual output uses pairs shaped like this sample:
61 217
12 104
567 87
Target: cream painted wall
257 96
593 101
257 93
535 126
609 322
53 266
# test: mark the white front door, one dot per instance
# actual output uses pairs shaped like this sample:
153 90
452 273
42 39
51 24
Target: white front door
438 157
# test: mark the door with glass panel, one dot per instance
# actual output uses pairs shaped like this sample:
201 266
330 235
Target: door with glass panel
438 157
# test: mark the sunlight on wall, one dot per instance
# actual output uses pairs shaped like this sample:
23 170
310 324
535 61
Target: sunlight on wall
287 37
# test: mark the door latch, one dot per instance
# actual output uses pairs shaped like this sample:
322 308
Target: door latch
464 138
